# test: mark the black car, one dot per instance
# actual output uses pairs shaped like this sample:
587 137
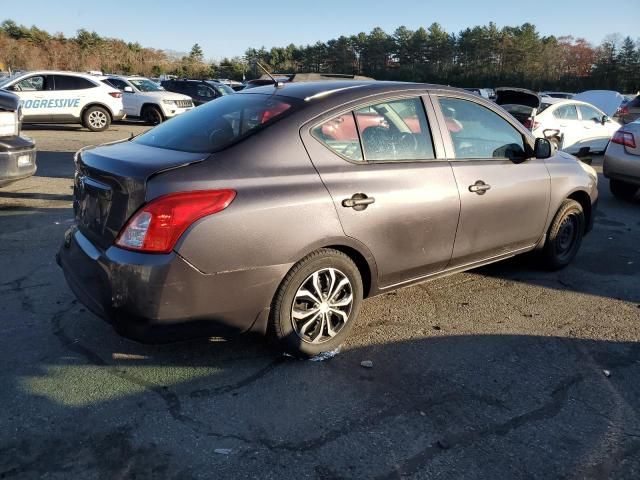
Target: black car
201 91
17 154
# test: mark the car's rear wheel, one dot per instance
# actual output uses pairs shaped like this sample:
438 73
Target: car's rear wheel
96 119
623 190
564 236
317 304
152 115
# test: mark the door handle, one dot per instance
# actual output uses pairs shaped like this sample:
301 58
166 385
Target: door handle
359 201
479 187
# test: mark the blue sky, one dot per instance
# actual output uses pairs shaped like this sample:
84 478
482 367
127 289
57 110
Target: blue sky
227 28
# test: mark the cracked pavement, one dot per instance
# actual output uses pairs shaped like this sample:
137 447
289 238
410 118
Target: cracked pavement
493 373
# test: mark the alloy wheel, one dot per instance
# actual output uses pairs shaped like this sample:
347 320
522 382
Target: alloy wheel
97 119
322 305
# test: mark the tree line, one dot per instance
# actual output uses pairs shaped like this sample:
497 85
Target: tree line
480 56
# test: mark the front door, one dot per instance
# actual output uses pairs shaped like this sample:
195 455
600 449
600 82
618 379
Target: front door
504 197
34 98
391 191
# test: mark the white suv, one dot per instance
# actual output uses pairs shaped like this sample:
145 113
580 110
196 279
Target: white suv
66 97
147 100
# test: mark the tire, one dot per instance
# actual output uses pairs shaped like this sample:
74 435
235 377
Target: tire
152 115
96 119
564 236
623 190
318 327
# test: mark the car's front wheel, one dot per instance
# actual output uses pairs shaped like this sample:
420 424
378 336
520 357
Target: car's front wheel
96 119
317 304
564 236
623 190
152 115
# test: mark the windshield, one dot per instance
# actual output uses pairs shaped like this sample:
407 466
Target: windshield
5 80
145 85
217 125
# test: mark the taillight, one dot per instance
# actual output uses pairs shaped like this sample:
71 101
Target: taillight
116 94
624 138
528 124
157 226
624 110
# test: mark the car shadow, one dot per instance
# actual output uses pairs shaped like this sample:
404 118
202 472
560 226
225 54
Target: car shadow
448 406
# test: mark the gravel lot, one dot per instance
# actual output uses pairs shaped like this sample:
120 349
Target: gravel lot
495 373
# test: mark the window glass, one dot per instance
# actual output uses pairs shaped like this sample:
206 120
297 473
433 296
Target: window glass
203 91
590 114
340 135
566 112
31 84
145 85
216 125
395 130
116 83
223 89
477 132
69 82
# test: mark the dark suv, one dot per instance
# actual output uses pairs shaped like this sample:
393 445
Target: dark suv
201 91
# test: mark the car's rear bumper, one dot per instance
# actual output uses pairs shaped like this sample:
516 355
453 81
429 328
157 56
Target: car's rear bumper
157 298
119 115
17 159
621 165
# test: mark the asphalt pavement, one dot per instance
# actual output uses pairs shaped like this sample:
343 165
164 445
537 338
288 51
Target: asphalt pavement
504 372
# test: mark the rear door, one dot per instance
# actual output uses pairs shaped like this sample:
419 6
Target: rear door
71 95
569 124
504 196
392 187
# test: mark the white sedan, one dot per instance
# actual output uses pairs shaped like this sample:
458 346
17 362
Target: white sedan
573 125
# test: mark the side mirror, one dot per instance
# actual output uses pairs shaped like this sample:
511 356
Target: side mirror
605 119
128 89
542 148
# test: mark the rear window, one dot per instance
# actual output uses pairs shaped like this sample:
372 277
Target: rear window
216 125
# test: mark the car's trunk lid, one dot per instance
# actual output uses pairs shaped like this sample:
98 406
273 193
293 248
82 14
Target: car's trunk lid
110 184
523 104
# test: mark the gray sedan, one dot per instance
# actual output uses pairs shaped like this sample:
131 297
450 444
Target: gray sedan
278 209
622 161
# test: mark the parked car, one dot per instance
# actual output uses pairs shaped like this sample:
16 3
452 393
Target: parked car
629 111
233 84
523 104
607 101
66 97
17 153
249 214
622 161
570 125
302 77
200 91
147 100
574 126
483 92
564 95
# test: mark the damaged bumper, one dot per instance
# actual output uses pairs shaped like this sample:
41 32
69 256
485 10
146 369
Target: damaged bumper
158 298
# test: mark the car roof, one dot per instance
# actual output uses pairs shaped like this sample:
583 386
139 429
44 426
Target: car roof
54 72
311 90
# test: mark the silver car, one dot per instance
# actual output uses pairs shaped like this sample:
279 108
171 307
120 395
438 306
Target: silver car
622 161
278 209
